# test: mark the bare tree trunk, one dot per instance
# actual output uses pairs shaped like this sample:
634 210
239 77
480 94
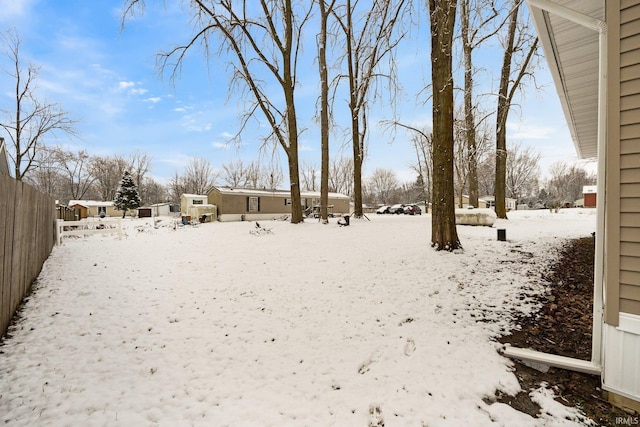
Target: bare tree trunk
501 120
324 111
508 86
358 157
292 120
443 222
469 118
357 144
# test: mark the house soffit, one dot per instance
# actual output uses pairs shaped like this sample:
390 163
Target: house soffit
571 51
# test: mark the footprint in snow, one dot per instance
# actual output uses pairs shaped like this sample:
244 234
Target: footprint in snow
409 347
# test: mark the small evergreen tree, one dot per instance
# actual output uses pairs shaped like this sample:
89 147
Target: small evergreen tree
127 196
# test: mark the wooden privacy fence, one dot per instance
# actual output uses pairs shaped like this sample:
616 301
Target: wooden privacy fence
68 214
88 227
27 227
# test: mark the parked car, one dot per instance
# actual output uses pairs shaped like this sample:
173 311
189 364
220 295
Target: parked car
383 210
397 209
412 210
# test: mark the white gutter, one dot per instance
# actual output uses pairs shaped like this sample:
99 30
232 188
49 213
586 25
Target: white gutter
598 283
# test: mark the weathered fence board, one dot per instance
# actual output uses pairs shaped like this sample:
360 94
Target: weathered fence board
27 227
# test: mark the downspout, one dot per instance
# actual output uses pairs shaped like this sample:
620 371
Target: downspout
598 288
598 301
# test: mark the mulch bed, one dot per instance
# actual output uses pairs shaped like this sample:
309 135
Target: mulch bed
563 326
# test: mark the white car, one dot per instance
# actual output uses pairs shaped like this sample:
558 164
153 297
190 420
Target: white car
383 210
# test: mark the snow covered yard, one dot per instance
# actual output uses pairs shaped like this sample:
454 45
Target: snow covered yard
309 325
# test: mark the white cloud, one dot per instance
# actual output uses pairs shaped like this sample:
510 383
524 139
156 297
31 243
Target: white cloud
12 9
126 85
140 91
154 99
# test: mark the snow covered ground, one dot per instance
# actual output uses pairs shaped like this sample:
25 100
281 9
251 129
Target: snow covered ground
308 325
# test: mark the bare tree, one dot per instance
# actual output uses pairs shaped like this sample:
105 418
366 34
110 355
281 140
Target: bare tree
466 154
383 184
33 119
487 176
139 166
523 172
341 175
444 235
478 23
252 175
369 39
236 174
47 176
107 172
566 182
199 176
270 177
176 187
77 171
263 43
309 175
422 142
520 47
152 192
461 157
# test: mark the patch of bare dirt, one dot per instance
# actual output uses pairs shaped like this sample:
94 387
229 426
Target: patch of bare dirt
563 326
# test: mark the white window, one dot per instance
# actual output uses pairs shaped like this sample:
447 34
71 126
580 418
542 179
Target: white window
198 202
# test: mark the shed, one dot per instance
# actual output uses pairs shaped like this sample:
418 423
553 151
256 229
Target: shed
164 209
589 193
196 205
144 212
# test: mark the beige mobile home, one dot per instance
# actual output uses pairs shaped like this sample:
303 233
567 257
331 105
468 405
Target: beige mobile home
239 204
93 209
593 51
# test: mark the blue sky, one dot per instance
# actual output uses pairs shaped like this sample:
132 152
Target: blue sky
106 78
